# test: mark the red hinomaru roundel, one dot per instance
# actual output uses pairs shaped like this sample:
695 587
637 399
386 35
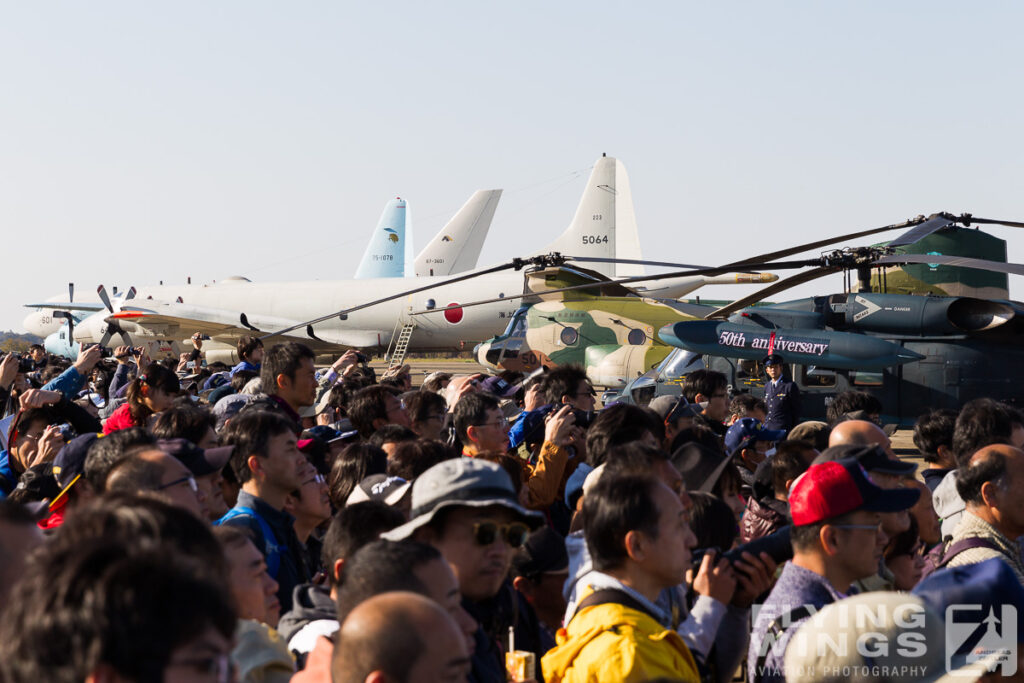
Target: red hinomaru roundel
453 313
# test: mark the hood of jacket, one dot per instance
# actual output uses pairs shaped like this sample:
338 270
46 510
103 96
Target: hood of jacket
309 603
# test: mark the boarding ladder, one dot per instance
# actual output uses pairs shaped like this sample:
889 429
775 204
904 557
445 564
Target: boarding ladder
396 355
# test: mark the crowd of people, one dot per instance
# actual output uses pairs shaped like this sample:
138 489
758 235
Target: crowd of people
184 521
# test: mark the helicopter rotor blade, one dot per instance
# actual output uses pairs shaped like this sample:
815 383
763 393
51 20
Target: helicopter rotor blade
934 223
632 280
638 262
781 285
764 258
961 261
967 219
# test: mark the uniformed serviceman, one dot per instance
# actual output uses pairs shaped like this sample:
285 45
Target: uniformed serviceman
781 396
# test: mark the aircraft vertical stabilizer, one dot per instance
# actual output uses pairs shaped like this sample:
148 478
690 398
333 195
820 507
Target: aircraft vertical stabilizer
457 246
627 236
593 228
385 254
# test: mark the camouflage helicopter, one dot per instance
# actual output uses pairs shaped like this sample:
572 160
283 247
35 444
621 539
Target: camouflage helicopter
956 340
607 328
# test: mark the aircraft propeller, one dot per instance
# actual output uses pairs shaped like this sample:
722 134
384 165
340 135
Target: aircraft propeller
68 315
113 326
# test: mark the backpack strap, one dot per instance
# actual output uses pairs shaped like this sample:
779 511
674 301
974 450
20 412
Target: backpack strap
271 550
774 633
616 596
963 544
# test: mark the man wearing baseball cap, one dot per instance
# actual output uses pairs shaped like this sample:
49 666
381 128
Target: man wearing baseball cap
467 508
750 443
837 539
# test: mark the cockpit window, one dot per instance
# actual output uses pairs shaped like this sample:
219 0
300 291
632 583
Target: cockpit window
679 363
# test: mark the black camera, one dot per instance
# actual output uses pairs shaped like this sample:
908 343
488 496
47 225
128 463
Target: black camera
362 357
584 418
26 364
776 544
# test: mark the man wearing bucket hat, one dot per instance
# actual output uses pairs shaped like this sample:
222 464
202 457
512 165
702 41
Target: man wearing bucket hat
837 515
468 509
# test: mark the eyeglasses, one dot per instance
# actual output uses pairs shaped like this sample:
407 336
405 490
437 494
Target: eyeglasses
502 422
190 480
589 392
486 533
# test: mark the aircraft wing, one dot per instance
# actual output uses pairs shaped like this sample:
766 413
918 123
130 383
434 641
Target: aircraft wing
68 306
175 320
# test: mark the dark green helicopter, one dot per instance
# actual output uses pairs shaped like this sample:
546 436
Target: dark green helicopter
950 334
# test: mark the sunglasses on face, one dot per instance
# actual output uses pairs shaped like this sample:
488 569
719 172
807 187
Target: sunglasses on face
486 533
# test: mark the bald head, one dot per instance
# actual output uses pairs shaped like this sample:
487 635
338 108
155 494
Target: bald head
859 433
988 481
399 636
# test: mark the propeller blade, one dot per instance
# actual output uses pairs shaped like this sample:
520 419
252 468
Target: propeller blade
105 341
71 292
102 292
961 261
131 294
71 329
781 285
126 338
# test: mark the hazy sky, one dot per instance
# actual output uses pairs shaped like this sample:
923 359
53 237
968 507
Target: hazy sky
148 141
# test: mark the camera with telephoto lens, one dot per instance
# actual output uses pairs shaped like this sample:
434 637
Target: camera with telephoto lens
776 544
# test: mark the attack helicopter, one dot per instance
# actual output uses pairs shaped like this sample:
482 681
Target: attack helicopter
913 351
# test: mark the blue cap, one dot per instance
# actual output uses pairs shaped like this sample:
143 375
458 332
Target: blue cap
747 430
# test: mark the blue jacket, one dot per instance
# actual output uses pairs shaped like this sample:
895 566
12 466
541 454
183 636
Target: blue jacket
795 588
69 383
782 404
245 365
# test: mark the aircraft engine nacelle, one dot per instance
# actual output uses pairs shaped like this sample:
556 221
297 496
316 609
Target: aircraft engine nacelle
902 314
614 365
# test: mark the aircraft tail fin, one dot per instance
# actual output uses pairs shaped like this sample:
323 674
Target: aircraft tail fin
457 246
385 255
604 225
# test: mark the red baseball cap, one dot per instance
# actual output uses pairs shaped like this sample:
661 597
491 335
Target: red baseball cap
830 489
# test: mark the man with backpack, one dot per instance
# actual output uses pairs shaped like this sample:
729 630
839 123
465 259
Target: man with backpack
994 517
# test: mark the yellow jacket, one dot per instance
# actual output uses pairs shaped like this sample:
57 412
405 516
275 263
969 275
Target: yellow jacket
612 642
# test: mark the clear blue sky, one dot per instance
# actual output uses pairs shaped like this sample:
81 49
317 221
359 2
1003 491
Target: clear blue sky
146 141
